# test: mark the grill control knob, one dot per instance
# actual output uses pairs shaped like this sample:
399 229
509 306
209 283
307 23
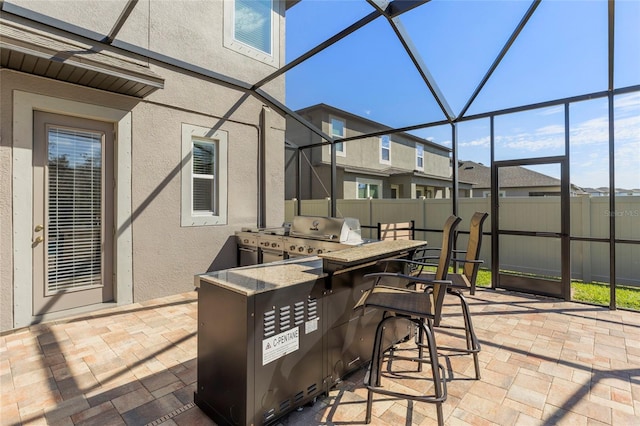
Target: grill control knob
246 241
292 248
300 249
274 244
310 250
319 251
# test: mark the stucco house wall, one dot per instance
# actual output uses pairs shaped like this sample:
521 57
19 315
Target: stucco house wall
156 254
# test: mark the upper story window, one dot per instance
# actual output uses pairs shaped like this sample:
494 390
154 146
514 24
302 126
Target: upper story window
385 149
338 131
252 28
252 23
419 156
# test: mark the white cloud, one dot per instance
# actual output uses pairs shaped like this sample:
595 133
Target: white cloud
247 20
553 129
482 142
553 110
627 102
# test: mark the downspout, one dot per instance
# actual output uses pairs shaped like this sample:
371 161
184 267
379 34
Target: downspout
454 167
333 180
298 180
261 184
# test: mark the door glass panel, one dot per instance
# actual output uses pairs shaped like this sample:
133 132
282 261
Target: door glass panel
532 264
530 212
74 231
530 198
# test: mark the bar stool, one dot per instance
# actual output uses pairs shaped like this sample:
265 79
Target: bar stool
423 309
466 280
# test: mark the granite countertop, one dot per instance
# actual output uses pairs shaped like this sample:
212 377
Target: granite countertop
250 280
371 251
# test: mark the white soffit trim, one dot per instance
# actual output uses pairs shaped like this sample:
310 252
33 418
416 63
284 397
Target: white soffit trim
27 50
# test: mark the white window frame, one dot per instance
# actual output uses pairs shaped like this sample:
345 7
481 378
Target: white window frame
188 217
382 148
230 41
368 182
419 147
342 152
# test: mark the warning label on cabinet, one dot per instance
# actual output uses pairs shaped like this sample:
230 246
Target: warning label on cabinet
311 325
280 345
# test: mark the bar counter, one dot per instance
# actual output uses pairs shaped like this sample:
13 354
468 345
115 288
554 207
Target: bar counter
250 280
275 336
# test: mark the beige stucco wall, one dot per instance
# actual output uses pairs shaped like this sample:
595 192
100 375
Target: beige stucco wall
186 30
166 255
6 234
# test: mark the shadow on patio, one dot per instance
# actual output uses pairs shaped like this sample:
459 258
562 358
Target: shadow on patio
543 361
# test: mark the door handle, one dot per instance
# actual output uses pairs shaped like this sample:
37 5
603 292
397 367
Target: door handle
39 239
39 228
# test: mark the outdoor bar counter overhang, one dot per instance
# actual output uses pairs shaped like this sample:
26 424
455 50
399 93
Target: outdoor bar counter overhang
275 336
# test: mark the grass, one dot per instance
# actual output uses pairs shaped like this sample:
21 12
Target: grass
596 293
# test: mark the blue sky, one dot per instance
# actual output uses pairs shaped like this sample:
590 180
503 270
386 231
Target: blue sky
561 52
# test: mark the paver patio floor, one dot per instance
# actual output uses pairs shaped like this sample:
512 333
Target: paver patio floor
543 362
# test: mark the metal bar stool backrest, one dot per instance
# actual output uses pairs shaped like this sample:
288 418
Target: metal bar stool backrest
470 269
448 237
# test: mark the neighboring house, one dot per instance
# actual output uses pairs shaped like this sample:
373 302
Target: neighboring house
512 182
604 192
128 153
628 192
398 165
597 192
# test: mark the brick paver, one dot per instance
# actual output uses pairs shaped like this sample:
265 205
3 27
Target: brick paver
543 361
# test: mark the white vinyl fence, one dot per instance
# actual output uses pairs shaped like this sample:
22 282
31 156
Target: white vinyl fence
589 218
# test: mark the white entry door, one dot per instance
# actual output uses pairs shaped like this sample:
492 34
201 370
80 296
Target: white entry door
72 212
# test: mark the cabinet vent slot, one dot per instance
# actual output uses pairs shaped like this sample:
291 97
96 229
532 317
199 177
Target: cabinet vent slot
269 414
311 389
298 397
285 318
269 323
312 308
284 405
298 313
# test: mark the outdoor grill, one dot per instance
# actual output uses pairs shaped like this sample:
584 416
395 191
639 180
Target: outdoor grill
305 236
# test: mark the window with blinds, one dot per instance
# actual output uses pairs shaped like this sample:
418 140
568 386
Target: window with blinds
252 23
74 208
385 149
419 156
338 131
204 177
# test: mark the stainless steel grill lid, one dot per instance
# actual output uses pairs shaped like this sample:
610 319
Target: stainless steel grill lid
327 228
